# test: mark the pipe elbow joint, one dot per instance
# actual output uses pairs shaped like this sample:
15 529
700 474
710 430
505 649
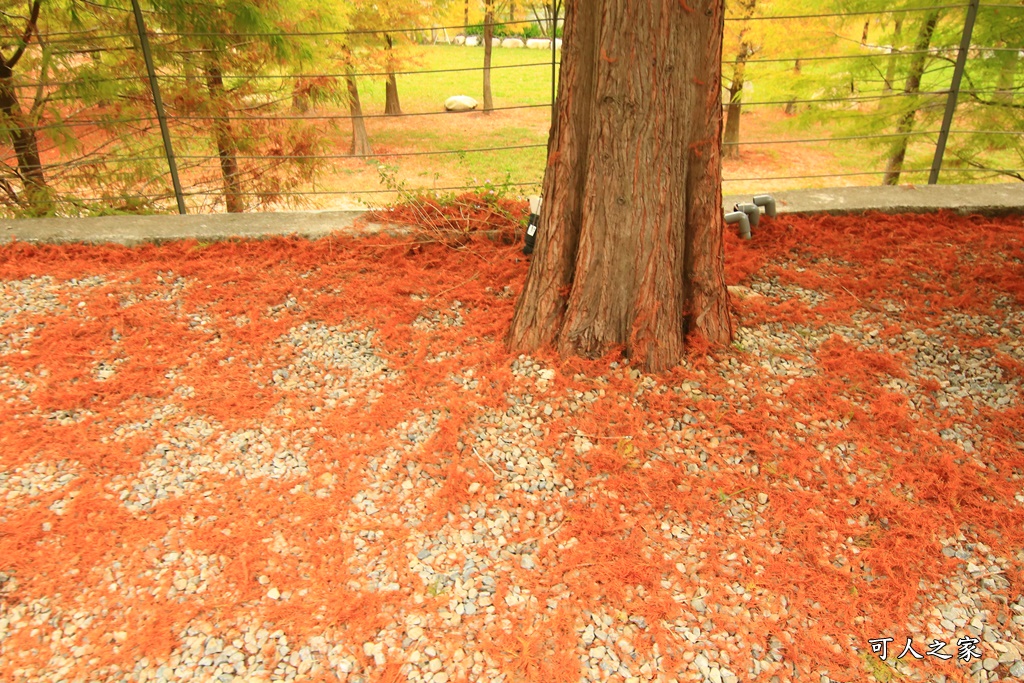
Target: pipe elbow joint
740 218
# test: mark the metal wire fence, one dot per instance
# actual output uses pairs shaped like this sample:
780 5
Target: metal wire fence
259 137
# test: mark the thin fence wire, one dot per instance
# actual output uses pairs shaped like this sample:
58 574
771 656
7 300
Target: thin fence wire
284 77
460 27
185 123
869 173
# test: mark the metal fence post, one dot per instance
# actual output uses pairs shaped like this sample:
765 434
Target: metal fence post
159 104
954 91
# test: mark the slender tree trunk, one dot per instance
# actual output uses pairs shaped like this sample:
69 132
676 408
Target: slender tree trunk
732 125
791 104
23 136
488 35
906 122
731 146
22 128
890 69
630 249
360 140
1007 76
512 10
300 98
392 107
465 19
226 147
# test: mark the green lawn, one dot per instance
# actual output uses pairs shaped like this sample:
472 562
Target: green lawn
427 92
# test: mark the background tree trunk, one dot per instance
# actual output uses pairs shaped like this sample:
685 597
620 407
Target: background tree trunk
465 17
1007 76
731 146
906 122
360 140
630 250
392 107
488 35
36 194
791 105
890 69
22 128
226 148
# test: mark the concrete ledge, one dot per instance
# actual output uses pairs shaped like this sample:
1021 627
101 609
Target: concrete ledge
964 199
128 230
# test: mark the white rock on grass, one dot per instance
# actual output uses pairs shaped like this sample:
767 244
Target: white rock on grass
539 43
472 41
512 42
460 103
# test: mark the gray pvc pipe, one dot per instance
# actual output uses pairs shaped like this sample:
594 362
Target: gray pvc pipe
744 222
768 202
753 212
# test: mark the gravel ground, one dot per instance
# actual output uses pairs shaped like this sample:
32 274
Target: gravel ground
308 485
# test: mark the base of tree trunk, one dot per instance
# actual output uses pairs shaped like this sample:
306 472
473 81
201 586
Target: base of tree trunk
630 254
360 140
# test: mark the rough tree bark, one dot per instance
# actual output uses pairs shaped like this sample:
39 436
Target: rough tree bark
630 251
360 140
488 36
227 150
913 85
392 107
21 127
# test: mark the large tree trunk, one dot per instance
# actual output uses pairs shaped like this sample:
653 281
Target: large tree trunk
731 146
226 147
22 128
488 36
906 122
630 249
392 107
360 140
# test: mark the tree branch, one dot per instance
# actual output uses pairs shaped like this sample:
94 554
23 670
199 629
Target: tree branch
30 28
